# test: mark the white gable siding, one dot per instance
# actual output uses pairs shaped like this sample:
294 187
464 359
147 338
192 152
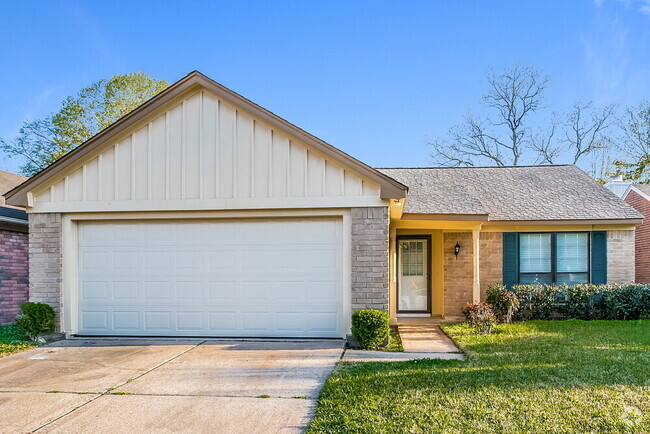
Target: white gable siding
210 155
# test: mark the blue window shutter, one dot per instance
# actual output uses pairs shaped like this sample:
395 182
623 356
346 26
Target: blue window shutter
510 258
598 257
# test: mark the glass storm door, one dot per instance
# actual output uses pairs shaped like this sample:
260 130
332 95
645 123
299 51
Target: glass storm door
413 276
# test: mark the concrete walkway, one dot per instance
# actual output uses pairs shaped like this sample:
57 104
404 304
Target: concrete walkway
139 385
422 338
424 335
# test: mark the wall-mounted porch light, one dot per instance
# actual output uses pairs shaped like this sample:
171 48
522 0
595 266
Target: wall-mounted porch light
457 250
398 202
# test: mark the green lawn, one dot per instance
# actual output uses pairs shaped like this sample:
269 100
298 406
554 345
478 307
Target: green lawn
12 340
537 376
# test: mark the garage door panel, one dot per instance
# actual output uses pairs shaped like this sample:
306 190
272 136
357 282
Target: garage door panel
190 291
256 323
157 260
190 260
156 291
158 321
95 291
245 278
95 320
190 321
223 322
222 290
126 261
323 321
126 320
221 259
127 291
324 290
93 261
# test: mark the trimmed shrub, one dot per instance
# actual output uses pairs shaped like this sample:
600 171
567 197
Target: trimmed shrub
480 317
36 319
581 301
370 327
586 302
535 301
625 302
504 303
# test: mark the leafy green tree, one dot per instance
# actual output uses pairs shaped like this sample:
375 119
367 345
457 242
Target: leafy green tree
94 108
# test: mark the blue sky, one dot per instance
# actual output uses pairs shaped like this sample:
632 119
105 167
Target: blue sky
373 78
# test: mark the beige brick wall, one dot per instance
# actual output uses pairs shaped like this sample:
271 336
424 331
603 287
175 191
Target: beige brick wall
45 279
620 256
457 271
370 258
491 257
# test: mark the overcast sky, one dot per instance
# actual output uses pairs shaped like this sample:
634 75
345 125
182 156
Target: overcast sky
372 78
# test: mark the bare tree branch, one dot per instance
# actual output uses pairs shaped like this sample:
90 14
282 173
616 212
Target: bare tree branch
585 129
502 138
543 144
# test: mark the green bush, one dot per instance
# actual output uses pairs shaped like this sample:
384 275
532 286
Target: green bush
581 301
535 301
36 319
480 317
504 303
625 302
370 328
587 302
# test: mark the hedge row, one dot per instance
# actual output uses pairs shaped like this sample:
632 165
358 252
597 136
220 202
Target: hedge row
622 302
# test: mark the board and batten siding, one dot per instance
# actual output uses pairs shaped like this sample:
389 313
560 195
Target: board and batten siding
204 153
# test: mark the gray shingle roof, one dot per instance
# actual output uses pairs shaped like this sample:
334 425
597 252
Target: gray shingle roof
643 188
510 193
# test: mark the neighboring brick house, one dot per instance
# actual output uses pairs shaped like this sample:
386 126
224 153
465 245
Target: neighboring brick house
14 255
203 214
638 195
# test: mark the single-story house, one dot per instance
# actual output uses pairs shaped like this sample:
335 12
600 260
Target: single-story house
638 195
14 255
204 214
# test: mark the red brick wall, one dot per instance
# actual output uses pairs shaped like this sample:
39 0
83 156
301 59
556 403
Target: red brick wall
642 250
14 274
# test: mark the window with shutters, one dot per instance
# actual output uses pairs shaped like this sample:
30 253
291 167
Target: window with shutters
554 258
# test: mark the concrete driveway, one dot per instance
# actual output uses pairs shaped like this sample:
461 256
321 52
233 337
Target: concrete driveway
164 385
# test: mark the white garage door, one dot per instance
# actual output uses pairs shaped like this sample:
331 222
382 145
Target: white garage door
256 278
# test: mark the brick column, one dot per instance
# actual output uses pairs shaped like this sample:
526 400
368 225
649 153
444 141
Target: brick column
370 258
458 272
14 274
620 256
45 272
491 260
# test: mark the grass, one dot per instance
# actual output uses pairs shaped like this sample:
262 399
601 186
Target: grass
13 340
537 376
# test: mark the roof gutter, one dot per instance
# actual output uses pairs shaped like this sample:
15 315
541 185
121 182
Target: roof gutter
447 217
566 222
